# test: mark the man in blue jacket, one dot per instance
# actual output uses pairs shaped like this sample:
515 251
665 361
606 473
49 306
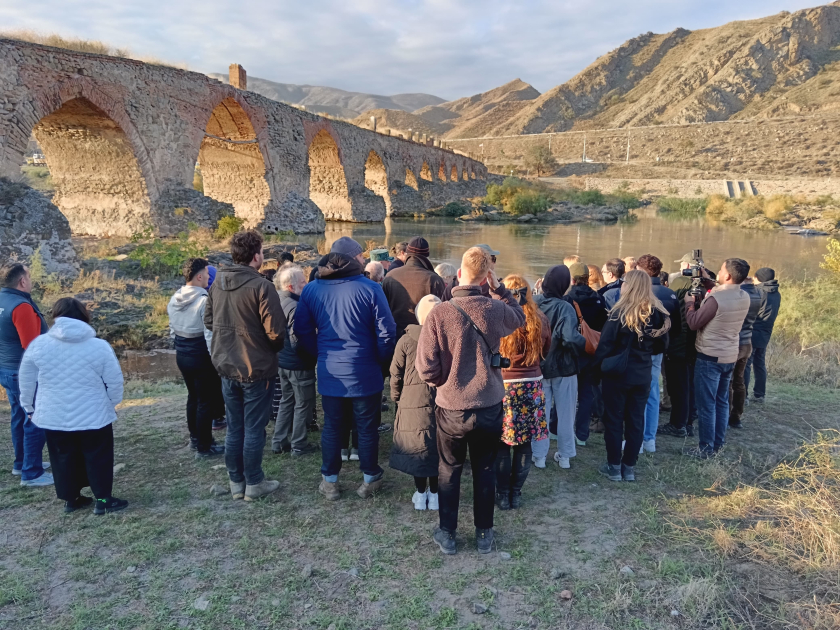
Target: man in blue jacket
343 318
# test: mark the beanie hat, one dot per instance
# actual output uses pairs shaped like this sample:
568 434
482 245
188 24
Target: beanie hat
418 246
211 272
765 274
425 306
347 246
578 270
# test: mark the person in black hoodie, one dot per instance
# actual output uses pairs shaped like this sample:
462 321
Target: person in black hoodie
594 313
635 323
771 302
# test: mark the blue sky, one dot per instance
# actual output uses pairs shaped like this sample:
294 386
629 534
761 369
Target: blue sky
450 48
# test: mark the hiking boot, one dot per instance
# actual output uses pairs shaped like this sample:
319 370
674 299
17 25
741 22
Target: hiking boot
111 504
419 499
384 428
213 451
263 488
515 500
219 424
484 540
330 490
649 446
736 425
45 479
345 454
354 454
580 442
78 503
193 444
689 430
628 473
698 453
433 501
503 501
670 429
237 490
445 540
367 490
613 473
539 462
283 448
306 449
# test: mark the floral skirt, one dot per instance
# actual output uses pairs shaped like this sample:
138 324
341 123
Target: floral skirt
524 406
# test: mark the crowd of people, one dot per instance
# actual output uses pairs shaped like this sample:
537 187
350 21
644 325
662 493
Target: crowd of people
477 365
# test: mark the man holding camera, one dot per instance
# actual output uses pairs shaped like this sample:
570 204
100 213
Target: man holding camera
458 353
718 321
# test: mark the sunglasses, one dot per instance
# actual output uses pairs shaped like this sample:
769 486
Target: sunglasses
493 258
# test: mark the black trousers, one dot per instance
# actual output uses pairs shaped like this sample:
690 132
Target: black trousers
204 396
511 476
82 458
679 389
624 418
480 430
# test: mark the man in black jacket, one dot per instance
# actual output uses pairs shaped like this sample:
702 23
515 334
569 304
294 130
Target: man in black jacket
296 378
406 285
771 302
613 270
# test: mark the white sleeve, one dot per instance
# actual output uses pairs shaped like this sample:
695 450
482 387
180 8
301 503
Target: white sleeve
28 379
112 375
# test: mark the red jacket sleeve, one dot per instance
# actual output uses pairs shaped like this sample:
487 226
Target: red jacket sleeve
27 323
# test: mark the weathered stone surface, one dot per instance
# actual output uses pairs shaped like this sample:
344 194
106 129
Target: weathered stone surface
122 139
29 223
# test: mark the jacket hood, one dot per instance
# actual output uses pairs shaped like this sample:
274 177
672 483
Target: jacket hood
556 281
71 330
186 296
413 331
771 286
232 277
337 266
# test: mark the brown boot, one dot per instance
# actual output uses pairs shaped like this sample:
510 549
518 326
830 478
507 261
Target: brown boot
330 490
263 488
237 490
369 489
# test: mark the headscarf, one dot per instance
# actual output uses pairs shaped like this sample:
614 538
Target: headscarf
556 281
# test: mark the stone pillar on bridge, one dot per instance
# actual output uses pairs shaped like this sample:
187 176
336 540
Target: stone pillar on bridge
238 77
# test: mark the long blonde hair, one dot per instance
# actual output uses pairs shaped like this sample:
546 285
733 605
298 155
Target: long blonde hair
637 301
526 340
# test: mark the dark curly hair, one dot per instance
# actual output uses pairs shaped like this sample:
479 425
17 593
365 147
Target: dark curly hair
650 264
245 245
194 266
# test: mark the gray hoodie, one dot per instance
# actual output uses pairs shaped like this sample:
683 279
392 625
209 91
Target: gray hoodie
186 314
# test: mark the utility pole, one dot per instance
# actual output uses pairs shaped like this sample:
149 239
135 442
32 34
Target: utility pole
627 161
584 147
549 144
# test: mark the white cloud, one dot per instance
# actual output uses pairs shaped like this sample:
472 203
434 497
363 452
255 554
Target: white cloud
451 48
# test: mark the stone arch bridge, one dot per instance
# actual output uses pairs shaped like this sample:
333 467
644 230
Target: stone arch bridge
122 139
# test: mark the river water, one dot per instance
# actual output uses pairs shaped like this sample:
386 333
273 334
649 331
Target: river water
532 248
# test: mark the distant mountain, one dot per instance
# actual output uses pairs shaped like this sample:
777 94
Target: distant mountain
334 101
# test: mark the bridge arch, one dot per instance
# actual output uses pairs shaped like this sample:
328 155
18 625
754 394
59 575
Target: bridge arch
232 163
442 172
327 179
376 178
453 174
426 172
410 179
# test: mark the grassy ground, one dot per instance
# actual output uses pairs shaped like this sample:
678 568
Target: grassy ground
182 558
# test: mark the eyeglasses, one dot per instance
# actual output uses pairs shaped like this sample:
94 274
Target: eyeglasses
493 258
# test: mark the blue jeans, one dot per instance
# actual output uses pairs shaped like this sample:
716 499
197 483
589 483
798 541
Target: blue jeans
757 359
27 439
652 407
248 408
711 387
340 415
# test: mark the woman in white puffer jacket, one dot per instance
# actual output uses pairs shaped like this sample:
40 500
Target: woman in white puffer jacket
79 383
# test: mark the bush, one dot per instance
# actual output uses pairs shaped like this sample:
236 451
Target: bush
590 198
679 205
716 205
454 209
626 199
528 202
831 259
228 226
502 194
165 258
778 206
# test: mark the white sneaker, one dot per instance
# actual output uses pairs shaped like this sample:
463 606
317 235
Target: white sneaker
354 454
44 480
580 442
433 500
17 473
563 462
539 462
649 446
419 500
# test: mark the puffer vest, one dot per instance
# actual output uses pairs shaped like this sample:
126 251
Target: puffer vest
11 349
719 338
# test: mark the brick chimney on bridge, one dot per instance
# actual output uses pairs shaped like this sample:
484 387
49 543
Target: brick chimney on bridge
238 77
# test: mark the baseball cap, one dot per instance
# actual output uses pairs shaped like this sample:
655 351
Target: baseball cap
578 270
688 258
487 249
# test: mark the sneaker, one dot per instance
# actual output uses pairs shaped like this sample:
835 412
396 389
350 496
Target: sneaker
649 446
313 426
563 462
213 451
193 444
111 504
539 462
281 449
330 490
628 473
515 500
258 491
503 501
445 540
385 406
354 454
78 503
367 490
736 425
689 430
237 490
433 502
484 540
698 453
44 480
580 442
384 428
306 449
219 424
345 454
758 399
612 472
419 500
17 473
670 429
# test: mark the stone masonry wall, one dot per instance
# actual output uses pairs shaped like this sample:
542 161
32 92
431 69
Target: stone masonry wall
703 187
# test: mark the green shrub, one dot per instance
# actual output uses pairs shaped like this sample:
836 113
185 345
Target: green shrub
454 209
591 198
625 199
228 226
831 259
165 258
528 202
677 204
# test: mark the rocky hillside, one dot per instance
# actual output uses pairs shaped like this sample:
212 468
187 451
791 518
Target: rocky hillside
786 64
333 101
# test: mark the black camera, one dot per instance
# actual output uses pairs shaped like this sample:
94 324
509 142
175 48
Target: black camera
695 272
498 361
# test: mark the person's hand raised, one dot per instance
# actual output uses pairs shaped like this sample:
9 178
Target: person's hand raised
492 280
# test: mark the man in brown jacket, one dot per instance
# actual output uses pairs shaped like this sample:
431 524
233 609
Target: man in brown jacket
244 312
458 354
406 285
